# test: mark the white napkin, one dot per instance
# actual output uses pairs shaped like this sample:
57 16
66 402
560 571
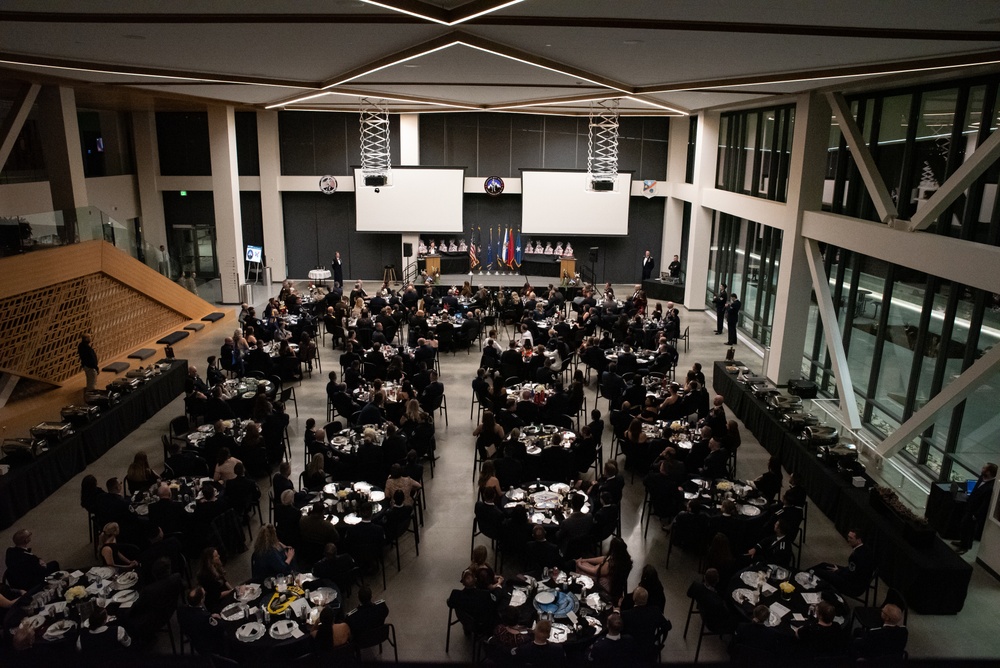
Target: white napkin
768 589
300 607
812 598
779 609
798 618
297 632
76 574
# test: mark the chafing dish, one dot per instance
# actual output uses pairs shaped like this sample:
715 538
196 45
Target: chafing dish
52 431
102 399
784 403
834 455
141 374
821 435
797 420
79 415
23 449
123 385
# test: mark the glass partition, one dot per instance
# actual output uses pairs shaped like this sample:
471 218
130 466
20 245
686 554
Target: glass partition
23 234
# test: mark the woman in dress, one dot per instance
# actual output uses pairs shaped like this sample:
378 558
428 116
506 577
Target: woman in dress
359 306
270 557
330 631
488 435
212 578
488 478
485 577
610 571
398 481
508 634
139 474
650 581
90 491
110 556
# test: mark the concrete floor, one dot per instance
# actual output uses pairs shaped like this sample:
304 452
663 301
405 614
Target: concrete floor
416 595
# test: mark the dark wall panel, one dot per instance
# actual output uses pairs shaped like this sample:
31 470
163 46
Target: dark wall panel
526 143
432 139
318 225
183 143
253 219
315 143
247 153
196 208
461 148
560 150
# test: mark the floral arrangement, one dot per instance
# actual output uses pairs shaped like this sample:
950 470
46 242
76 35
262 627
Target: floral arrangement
74 593
786 588
723 485
891 500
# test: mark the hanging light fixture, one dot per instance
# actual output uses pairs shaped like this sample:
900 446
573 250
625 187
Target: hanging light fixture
375 159
602 145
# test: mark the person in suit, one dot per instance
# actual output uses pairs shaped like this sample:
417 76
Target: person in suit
369 615
335 567
853 578
644 622
733 317
823 638
674 269
337 267
714 609
720 301
156 603
540 652
885 642
715 464
976 508
200 626
540 553
776 550
575 529
754 639
242 492
647 266
489 517
614 647
166 513
432 393
25 570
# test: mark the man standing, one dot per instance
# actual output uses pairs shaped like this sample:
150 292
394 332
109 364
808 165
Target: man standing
733 317
976 509
675 268
163 261
719 301
88 360
338 269
647 266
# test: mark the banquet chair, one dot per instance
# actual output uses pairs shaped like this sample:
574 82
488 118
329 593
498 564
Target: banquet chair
400 527
179 427
871 590
870 617
259 375
369 638
478 629
288 395
439 405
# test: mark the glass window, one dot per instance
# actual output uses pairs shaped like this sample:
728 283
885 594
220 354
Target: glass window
754 147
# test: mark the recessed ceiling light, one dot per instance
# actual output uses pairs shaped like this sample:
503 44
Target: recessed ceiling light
411 66
632 42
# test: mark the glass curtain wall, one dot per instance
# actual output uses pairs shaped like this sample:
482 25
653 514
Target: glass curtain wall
908 334
744 255
754 150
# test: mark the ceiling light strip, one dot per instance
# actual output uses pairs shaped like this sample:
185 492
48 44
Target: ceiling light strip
551 68
395 7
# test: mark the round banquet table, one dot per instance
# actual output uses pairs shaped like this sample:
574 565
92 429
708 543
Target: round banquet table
547 503
759 584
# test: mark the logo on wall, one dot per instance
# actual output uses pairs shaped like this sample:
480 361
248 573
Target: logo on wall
328 185
649 188
493 185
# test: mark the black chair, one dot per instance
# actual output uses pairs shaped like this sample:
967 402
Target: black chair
400 527
179 426
288 395
368 638
870 617
439 404
871 590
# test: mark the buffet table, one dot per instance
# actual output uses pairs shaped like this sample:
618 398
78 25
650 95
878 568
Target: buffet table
27 485
933 579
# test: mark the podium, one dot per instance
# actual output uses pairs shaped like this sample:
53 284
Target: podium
432 265
567 266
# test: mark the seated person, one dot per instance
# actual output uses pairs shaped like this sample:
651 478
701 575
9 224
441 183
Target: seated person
25 570
775 550
885 642
755 639
644 623
368 616
200 626
823 638
853 578
540 652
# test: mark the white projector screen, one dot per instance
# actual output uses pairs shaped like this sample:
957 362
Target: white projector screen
561 203
417 200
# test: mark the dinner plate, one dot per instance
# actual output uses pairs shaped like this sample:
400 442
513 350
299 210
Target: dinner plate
206 428
559 634
125 596
362 487
56 608
142 510
699 482
233 612
745 596
545 597
190 507
749 511
690 495
773 620
59 629
533 450
375 495
323 595
330 488
807 580
550 429
559 487
282 629
518 598
594 602
126 580
585 580
511 504
102 572
685 445
249 395
339 440
758 501
35 621
247 592
750 578
250 631
591 621
352 519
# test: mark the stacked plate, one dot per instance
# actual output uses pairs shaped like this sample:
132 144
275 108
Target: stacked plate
749 511
126 596
233 612
250 631
59 629
323 595
282 629
126 580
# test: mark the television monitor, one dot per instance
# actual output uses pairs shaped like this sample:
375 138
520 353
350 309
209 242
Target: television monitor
254 253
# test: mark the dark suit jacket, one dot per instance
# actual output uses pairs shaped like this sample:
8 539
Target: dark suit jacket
623 651
367 617
24 569
757 638
885 641
490 518
642 623
168 515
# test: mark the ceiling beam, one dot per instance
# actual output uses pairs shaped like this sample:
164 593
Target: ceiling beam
14 121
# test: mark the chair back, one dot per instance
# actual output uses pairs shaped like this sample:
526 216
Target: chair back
365 638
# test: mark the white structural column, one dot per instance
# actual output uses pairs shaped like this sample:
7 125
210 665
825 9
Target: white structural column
959 389
12 124
831 332
268 148
147 167
226 192
409 154
863 159
700 238
673 207
60 134
805 192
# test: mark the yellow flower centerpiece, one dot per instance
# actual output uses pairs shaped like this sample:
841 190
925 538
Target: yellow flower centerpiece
723 485
74 593
275 607
786 589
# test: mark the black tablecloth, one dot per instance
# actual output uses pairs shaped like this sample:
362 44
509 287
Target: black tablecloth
934 579
944 512
27 485
451 263
540 265
668 292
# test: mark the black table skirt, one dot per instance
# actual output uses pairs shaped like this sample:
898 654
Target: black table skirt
944 512
667 292
934 580
27 485
451 263
540 265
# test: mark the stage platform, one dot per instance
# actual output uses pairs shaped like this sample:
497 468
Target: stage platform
495 280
